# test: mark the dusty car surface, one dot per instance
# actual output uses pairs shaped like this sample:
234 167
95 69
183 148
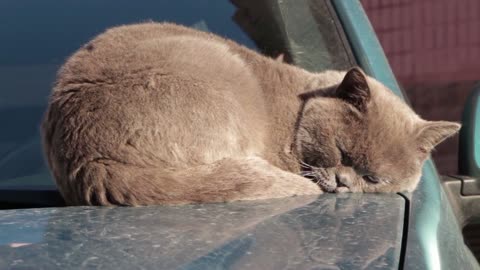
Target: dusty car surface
419 230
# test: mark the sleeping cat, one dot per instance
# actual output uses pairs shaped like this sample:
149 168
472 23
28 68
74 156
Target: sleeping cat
157 113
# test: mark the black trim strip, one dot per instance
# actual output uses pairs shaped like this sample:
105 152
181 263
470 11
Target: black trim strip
406 226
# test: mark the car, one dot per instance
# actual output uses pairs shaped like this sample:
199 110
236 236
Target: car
417 230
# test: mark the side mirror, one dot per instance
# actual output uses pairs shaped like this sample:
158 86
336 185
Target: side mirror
469 147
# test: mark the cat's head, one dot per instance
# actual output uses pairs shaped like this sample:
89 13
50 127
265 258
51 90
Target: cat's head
361 137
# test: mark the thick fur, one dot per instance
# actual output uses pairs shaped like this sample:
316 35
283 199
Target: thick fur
159 113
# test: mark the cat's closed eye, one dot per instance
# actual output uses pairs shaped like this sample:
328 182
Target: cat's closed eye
371 179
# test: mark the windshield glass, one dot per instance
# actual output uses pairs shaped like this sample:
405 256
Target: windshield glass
37 37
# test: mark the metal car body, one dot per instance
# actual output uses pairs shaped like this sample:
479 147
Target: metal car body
418 230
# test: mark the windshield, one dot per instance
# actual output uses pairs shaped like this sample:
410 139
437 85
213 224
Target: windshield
37 37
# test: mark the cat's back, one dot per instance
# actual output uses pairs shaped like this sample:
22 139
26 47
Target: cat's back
156 92
124 52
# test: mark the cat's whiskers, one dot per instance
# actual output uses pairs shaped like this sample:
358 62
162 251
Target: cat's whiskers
303 163
306 165
307 173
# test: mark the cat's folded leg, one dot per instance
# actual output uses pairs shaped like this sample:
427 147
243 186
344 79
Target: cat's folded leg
106 182
254 178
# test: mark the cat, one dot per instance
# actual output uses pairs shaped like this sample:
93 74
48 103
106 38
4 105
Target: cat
158 113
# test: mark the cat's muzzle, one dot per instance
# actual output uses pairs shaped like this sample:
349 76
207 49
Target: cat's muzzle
328 180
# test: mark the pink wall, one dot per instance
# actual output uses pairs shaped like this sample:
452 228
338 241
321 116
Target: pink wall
429 40
434 49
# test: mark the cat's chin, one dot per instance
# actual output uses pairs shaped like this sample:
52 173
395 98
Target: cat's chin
342 190
327 188
337 189
325 178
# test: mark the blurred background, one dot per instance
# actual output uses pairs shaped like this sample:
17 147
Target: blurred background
434 49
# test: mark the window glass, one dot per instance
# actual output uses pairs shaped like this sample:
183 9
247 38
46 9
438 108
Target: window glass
37 36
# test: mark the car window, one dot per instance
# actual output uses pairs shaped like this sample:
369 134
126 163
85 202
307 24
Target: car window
37 36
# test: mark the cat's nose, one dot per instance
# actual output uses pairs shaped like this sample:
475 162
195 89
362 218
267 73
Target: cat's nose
342 180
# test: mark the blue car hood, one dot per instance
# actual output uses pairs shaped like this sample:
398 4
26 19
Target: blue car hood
346 231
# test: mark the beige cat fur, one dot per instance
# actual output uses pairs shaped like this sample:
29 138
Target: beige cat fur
157 113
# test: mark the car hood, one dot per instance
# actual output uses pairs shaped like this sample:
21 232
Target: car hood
346 231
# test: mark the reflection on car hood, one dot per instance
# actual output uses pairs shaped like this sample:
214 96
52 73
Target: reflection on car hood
348 231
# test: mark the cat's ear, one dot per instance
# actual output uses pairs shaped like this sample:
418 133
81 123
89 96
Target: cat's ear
354 89
432 133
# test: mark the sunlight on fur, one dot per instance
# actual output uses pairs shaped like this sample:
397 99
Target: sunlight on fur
157 113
